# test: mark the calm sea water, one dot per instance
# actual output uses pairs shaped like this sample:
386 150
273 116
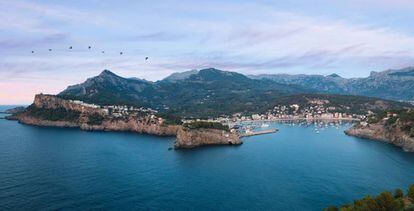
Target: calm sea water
294 169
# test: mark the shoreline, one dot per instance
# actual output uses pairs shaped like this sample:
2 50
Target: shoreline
298 119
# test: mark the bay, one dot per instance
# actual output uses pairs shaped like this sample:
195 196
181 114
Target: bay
293 169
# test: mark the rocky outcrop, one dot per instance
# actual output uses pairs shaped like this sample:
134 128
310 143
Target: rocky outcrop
53 102
149 124
380 132
29 120
134 124
190 138
40 110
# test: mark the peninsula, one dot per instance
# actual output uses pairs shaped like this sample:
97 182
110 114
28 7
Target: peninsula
394 127
50 110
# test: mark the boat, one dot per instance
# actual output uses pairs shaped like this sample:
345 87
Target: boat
264 125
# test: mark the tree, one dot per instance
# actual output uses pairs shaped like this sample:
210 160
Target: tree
331 208
398 193
386 201
370 203
410 193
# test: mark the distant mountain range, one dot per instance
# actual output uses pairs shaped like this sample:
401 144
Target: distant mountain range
212 92
390 84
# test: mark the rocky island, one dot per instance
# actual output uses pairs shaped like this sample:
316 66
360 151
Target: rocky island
394 127
205 133
50 110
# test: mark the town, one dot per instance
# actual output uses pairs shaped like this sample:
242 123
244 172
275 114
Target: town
117 111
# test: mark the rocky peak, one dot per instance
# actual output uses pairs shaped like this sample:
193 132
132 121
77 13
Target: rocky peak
107 73
180 76
212 74
334 75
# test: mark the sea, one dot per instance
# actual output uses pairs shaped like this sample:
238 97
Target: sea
303 166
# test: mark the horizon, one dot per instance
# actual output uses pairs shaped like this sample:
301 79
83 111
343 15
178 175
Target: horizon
264 37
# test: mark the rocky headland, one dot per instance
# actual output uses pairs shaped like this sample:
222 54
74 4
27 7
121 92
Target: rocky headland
394 127
53 111
190 138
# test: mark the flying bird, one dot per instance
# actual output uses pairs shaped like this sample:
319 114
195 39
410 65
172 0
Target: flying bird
89 47
70 47
32 51
120 53
146 58
103 51
50 49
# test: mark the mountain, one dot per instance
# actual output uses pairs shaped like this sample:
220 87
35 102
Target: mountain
324 84
180 76
390 84
109 88
208 92
212 92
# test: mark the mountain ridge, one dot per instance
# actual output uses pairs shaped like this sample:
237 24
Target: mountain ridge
207 92
393 84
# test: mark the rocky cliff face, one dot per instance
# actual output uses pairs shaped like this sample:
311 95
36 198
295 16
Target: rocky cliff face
148 124
189 138
30 120
53 102
45 108
380 132
134 124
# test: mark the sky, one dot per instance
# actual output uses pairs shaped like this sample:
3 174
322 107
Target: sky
347 37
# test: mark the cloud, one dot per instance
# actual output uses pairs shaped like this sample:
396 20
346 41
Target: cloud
250 37
28 43
156 37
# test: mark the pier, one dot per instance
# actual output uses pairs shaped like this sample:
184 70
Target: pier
256 133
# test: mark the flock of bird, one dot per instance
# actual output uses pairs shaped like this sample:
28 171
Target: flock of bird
89 48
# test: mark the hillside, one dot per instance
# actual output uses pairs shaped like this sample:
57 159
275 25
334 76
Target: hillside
109 88
342 103
390 126
209 93
390 84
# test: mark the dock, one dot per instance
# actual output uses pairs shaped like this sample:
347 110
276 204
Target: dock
256 133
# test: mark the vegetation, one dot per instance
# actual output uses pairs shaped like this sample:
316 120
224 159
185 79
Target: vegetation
58 114
404 119
171 119
95 119
211 93
206 125
385 201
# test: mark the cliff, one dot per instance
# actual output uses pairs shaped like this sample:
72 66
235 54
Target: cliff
394 128
49 110
52 111
134 124
53 102
385 134
189 138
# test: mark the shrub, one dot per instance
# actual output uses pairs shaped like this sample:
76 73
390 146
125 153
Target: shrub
331 208
391 120
95 119
398 193
410 193
384 201
57 114
206 125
